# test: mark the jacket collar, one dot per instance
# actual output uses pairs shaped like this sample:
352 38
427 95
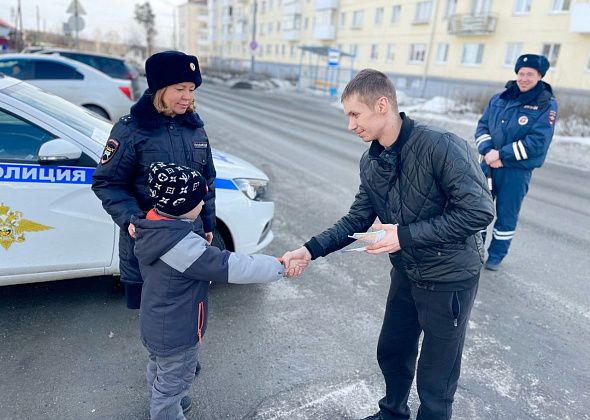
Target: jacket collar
539 95
375 150
147 117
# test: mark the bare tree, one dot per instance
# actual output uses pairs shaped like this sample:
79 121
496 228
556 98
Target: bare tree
144 15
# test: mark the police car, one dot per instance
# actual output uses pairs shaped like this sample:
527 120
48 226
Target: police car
53 227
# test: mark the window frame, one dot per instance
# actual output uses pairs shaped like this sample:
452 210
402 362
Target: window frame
478 55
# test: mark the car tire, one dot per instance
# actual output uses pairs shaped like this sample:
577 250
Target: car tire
98 111
218 239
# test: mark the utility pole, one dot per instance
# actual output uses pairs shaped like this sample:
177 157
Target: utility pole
18 36
253 44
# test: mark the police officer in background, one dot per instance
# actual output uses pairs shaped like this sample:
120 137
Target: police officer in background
162 127
513 136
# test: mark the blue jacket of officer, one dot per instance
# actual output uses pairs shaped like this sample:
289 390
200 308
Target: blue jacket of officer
137 140
519 125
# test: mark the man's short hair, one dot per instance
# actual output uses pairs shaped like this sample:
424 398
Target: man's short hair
370 85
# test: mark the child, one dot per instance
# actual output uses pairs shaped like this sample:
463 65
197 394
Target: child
177 264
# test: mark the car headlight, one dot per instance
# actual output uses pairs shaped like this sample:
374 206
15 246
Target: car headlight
254 189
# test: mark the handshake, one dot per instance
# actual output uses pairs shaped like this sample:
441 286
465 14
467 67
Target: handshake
385 239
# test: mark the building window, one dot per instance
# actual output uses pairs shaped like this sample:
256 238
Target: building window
560 5
588 64
442 53
283 50
390 53
513 51
263 7
354 50
417 53
551 51
342 19
450 8
379 16
374 52
357 18
522 7
268 49
472 54
292 51
396 12
423 9
305 23
279 26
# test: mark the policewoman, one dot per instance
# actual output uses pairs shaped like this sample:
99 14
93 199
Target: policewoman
162 127
513 137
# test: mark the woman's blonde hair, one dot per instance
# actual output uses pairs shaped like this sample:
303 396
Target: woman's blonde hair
162 108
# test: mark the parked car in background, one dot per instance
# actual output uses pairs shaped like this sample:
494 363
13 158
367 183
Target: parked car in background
116 67
53 227
73 81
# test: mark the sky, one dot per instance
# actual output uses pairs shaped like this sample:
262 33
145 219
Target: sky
101 15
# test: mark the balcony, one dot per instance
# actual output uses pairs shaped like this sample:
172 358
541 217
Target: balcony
326 4
324 32
292 8
467 25
291 34
580 18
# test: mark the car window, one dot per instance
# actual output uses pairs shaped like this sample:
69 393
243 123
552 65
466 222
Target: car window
111 66
19 139
55 71
21 69
80 119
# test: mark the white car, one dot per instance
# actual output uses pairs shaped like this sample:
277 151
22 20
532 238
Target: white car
72 80
53 227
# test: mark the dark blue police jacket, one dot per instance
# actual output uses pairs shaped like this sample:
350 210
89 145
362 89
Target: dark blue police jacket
139 139
519 125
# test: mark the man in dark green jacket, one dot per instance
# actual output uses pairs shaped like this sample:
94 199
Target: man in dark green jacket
425 186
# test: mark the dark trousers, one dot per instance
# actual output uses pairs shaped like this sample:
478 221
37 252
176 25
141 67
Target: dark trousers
442 316
129 269
509 187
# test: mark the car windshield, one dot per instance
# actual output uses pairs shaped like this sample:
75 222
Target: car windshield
72 115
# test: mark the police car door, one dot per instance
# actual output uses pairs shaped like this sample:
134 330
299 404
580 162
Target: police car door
51 224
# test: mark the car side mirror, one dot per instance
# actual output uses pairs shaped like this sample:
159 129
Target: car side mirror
59 152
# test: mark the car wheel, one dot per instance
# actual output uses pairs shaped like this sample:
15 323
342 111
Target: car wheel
98 111
218 239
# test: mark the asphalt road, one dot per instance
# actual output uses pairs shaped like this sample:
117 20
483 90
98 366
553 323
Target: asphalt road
305 348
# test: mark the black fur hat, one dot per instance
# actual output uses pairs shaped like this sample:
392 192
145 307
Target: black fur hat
534 61
170 67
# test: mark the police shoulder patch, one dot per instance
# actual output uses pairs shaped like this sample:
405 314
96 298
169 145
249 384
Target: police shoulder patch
109 151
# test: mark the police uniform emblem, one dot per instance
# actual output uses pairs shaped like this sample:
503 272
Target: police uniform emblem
192 66
109 151
523 120
13 227
552 116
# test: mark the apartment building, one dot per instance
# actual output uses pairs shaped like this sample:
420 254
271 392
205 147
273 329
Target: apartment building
427 47
194 30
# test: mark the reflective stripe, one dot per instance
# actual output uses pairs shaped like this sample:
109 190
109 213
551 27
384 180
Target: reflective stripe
516 152
482 138
522 151
503 236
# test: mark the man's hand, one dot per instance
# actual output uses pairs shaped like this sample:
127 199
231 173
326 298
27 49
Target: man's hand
390 243
209 237
295 261
496 164
131 230
492 156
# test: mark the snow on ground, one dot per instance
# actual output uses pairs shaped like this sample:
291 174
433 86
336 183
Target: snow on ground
571 143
